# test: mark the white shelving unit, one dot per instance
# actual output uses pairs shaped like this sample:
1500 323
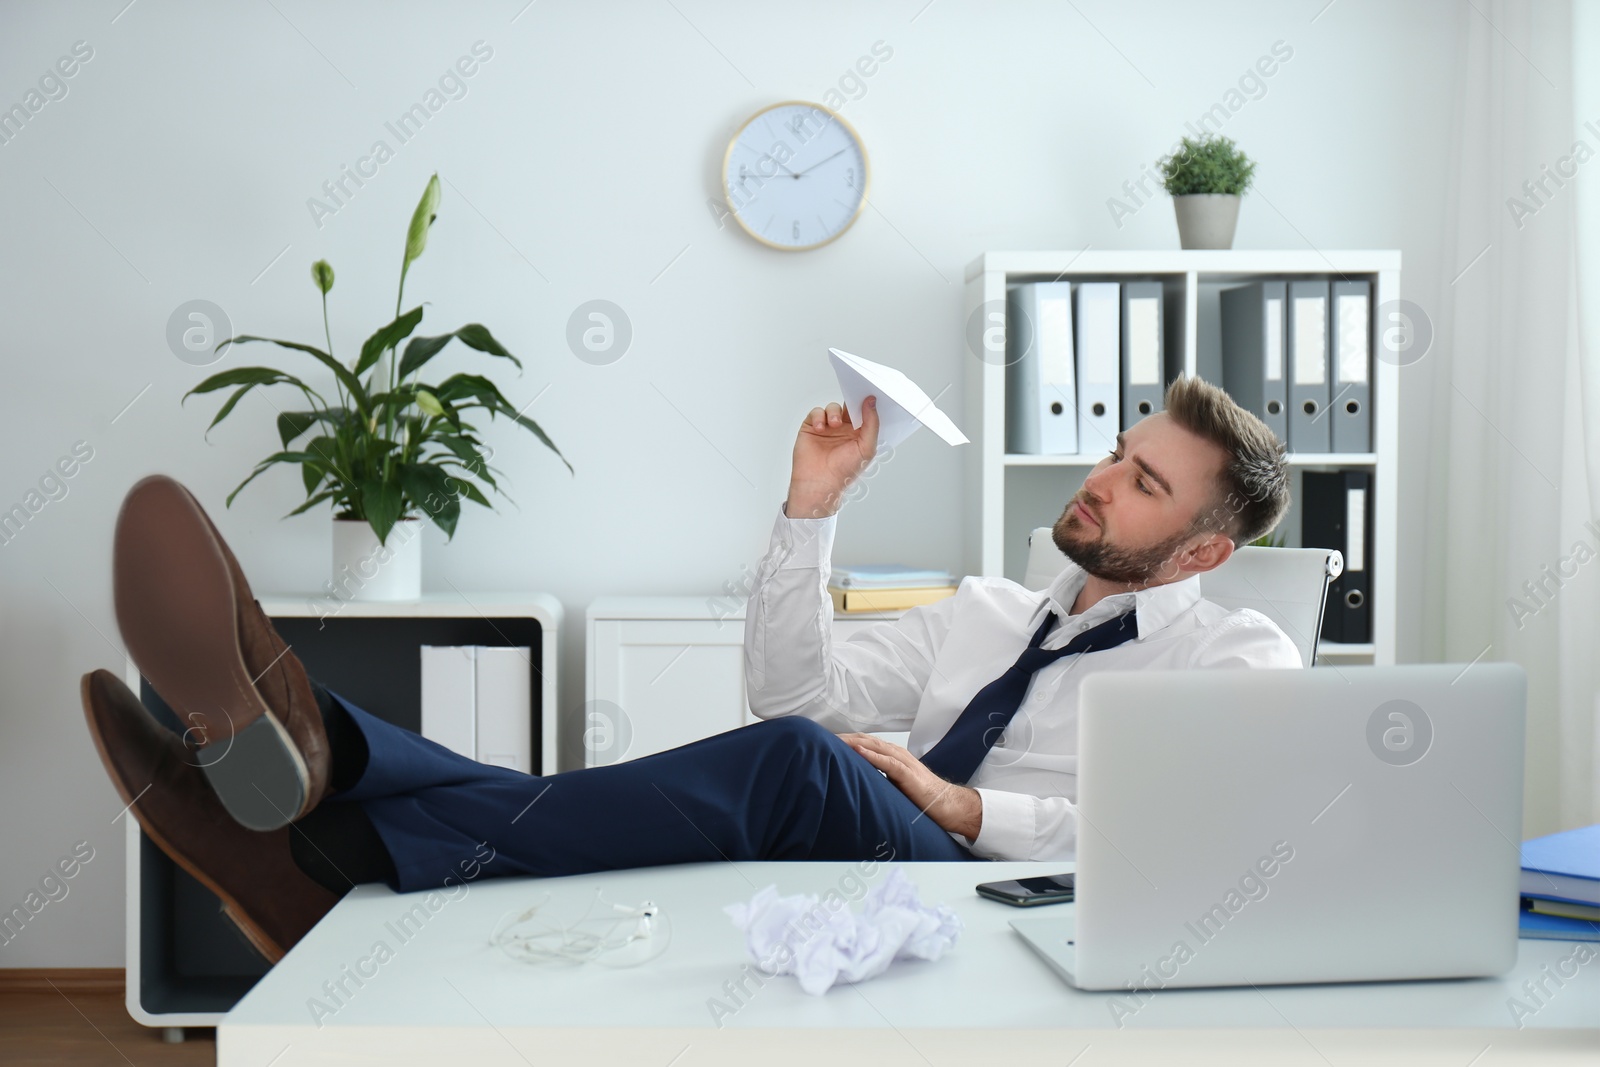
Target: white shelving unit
1016 493
163 993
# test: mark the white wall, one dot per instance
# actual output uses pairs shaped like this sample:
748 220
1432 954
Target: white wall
179 164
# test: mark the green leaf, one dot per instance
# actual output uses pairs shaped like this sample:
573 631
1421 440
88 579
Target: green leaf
476 335
473 335
421 219
473 386
253 475
232 400
533 427
243 376
382 502
387 338
350 381
397 401
422 349
473 493
448 516
465 447
313 502
468 461
292 424
326 449
484 392
276 457
475 471
322 275
433 489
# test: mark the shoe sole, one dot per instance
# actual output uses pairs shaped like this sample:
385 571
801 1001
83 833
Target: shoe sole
235 911
179 617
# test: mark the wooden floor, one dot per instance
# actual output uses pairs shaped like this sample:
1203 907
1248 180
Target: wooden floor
53 1021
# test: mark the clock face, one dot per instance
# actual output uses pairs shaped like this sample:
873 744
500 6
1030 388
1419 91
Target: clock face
795 176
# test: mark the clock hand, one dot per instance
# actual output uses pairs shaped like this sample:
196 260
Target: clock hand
775 163
820 162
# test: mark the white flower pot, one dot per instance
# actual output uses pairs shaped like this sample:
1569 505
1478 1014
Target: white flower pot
363 569
1206 220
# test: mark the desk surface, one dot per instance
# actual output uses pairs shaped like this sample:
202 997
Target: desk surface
444 989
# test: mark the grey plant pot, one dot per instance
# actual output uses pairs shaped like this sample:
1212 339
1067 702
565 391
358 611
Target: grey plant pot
1206 220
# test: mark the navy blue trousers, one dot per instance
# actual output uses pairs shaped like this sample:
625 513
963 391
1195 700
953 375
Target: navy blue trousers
780 789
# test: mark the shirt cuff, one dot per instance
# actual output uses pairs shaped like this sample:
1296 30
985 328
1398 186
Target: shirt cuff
804 543
1007 831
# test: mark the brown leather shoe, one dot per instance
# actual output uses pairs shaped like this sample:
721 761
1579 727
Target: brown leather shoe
279 674
262 889
196 632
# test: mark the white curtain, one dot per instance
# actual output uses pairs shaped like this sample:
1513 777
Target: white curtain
1513 388
1580 677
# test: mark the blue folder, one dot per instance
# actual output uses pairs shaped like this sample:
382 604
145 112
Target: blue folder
1533 924
1564 866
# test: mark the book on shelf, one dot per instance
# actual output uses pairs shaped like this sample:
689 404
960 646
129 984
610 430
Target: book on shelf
889 576
887 599
1540 927
1562 908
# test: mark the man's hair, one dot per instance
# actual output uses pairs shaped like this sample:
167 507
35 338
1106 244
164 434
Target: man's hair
1252 490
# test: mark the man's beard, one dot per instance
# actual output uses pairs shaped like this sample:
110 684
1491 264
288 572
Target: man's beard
1086 546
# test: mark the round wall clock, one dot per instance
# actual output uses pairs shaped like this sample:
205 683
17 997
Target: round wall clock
795 175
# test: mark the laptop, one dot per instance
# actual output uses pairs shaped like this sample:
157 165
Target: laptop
1262 826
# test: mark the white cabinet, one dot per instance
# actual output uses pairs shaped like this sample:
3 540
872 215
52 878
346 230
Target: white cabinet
663 671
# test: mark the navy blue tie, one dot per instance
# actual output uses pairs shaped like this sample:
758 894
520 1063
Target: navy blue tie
987 714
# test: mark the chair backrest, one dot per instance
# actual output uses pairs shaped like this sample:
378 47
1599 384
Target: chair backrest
1287 585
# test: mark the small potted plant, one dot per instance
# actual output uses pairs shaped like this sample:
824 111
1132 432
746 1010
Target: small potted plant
1205 179
392 449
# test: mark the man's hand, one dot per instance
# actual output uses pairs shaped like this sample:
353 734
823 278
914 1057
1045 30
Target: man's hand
829 454
955 808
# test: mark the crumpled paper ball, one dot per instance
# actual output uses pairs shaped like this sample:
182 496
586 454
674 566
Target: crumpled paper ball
821 944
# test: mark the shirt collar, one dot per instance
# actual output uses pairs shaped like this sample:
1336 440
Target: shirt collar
1155 606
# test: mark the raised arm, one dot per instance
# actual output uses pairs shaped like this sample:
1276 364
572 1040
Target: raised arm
875 680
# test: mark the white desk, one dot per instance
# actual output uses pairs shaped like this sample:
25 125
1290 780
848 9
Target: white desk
445 996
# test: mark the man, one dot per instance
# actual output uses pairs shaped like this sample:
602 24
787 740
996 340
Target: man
281 795
1181 489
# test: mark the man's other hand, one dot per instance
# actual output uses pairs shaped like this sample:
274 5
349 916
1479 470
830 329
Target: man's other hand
955 808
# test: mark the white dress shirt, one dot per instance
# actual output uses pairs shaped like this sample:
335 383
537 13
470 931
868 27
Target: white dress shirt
918 672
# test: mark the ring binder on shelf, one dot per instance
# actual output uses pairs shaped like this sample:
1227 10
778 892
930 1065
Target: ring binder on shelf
1143 391
1252 352
1350 349
1097 318
1041 371
1309 427
1336 512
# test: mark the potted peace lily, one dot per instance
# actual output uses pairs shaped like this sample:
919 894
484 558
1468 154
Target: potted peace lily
393 449
1205 179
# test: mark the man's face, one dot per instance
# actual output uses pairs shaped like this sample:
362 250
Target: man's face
1141 500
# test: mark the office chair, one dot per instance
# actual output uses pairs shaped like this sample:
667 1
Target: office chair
1287 585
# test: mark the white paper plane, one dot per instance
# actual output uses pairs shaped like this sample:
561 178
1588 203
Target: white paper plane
902 405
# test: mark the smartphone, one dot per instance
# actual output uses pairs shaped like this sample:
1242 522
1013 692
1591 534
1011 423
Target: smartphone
1026 892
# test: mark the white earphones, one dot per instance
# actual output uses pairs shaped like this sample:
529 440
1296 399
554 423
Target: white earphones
548 943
